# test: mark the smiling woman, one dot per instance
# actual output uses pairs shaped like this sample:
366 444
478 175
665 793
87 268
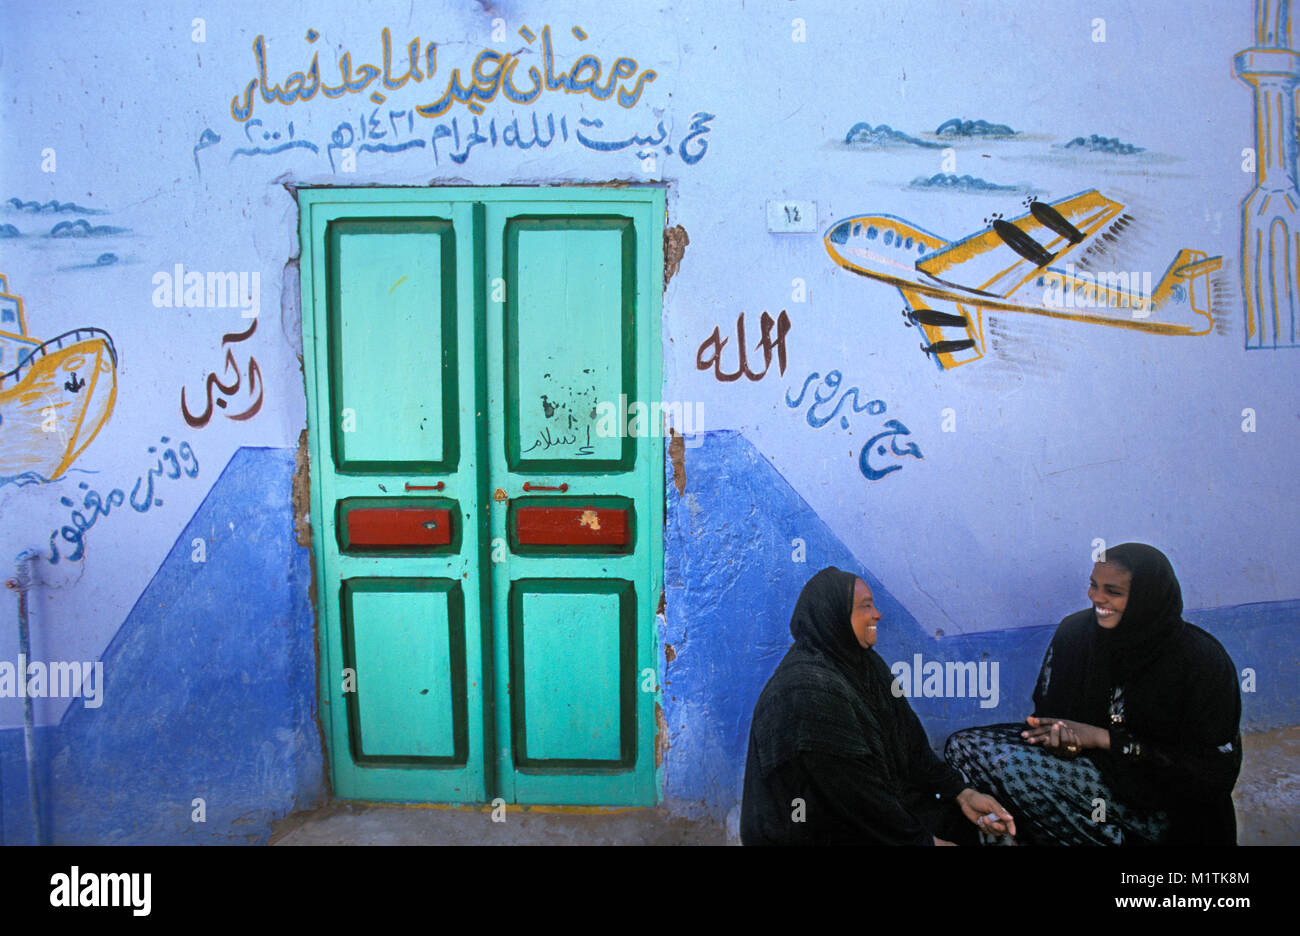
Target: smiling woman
1108 591
1135 736
835 756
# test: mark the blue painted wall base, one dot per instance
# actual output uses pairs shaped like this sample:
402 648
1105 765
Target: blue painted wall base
210 684
209 690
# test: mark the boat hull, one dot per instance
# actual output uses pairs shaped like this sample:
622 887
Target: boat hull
53 405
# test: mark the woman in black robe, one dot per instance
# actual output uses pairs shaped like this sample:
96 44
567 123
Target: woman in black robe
835 756
1135 737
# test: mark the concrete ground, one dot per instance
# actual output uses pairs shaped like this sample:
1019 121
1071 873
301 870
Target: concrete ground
1267 797
387 824
1267 794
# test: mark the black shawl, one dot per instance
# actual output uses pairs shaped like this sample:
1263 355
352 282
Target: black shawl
829 733
1165 689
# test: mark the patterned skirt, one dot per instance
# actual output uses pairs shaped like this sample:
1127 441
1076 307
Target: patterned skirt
1053 801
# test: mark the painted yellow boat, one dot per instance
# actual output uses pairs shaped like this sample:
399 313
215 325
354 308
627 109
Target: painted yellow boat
55 395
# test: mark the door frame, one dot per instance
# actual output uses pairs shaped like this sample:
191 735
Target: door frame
311 258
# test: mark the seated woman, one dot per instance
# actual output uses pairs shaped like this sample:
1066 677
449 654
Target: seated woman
835 757
1135 736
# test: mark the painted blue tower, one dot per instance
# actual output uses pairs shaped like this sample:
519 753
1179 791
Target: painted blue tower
1271 213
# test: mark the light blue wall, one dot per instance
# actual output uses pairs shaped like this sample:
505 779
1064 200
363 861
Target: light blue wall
1062 434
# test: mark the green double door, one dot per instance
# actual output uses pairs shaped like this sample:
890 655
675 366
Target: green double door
487 530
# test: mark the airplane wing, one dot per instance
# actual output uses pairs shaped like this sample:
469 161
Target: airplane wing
953 331
1006 255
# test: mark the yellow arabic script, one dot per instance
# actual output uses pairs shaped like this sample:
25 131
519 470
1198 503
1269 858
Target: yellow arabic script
491 73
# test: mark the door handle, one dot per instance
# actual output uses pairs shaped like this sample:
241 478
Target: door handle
528 486
424 487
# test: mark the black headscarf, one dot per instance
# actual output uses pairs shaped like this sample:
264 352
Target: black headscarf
828 731
829 695
1151 623
1175 735
822 621
1153 617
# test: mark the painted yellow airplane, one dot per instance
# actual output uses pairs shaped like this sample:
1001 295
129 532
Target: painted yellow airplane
1015 266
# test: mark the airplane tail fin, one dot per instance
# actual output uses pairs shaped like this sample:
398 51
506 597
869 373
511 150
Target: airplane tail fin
1188 280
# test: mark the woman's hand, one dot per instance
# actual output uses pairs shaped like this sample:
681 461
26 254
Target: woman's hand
1065 738
939 841
979 807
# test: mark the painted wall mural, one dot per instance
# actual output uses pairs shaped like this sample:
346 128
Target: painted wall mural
55 394
1077 191
491 72
173 463
948 287
392 133
875 458
232 385
393 130
710 352
37 231
1270 249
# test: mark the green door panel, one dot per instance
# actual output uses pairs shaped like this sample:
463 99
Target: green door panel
405 640
389 353
575 328
569 340
399 415
459 344
565 715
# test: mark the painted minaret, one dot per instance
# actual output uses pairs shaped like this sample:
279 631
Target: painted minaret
1271 213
